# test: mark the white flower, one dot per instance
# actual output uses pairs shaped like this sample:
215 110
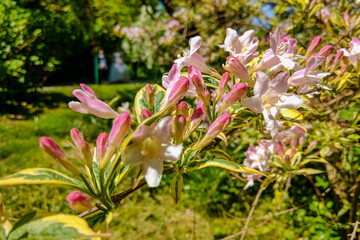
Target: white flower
151 147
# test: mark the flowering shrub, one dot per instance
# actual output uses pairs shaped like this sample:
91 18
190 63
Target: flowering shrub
185 125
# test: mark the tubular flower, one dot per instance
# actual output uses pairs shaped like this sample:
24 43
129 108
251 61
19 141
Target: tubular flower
309 75
192 58
354 53
270 97
258 158
282 52
151 147
242 47
90 104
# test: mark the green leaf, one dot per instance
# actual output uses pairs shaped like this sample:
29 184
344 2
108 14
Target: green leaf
41 176
56 227
176 187
307 171
325 151
99 220
141 103
220 153
221 163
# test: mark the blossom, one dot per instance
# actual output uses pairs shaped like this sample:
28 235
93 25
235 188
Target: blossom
234 66
270 97
82 147
50 147
242 47
309 75
215 128
78 201
89 103
354 53
170 80
282 52
258 158
192 58
151 146
313 46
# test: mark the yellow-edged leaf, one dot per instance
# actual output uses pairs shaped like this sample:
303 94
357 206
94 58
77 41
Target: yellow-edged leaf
292 116
56 227
176 187
220 153
221 163
40 176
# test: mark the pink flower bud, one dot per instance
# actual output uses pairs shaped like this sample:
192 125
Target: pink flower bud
120 128
222 85
145 114
149 95
51 148
343 69
285 39
179 127
199 87
239 91
101 145
195 120
301 140
183 109
82 147
339 56
325 51
78 201
178 92
234 66
313 46
215 128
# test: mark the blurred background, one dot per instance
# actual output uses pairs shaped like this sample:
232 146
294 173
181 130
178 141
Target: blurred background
48 47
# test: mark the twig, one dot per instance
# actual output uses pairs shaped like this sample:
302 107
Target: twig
242 231
353 235
245 229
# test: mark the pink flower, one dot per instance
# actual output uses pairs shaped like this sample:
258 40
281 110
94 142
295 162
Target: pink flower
325 51
281 52
354 53
90 104
270 97
236 93
309 75
79 201
192 58
242 47
101 145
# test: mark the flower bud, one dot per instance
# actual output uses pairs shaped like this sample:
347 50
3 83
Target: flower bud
101 145
150 96
222 86
313 46
145 114
199 88
183 109
79 201
82 146
179 128
51 148
178 92
325 51
120 128
239 91
234 66
195 120
215 128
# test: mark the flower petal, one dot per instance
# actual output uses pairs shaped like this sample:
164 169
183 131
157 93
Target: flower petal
254 103
290 101
163 129
262 83
172 152
132 155
195 44
153 172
